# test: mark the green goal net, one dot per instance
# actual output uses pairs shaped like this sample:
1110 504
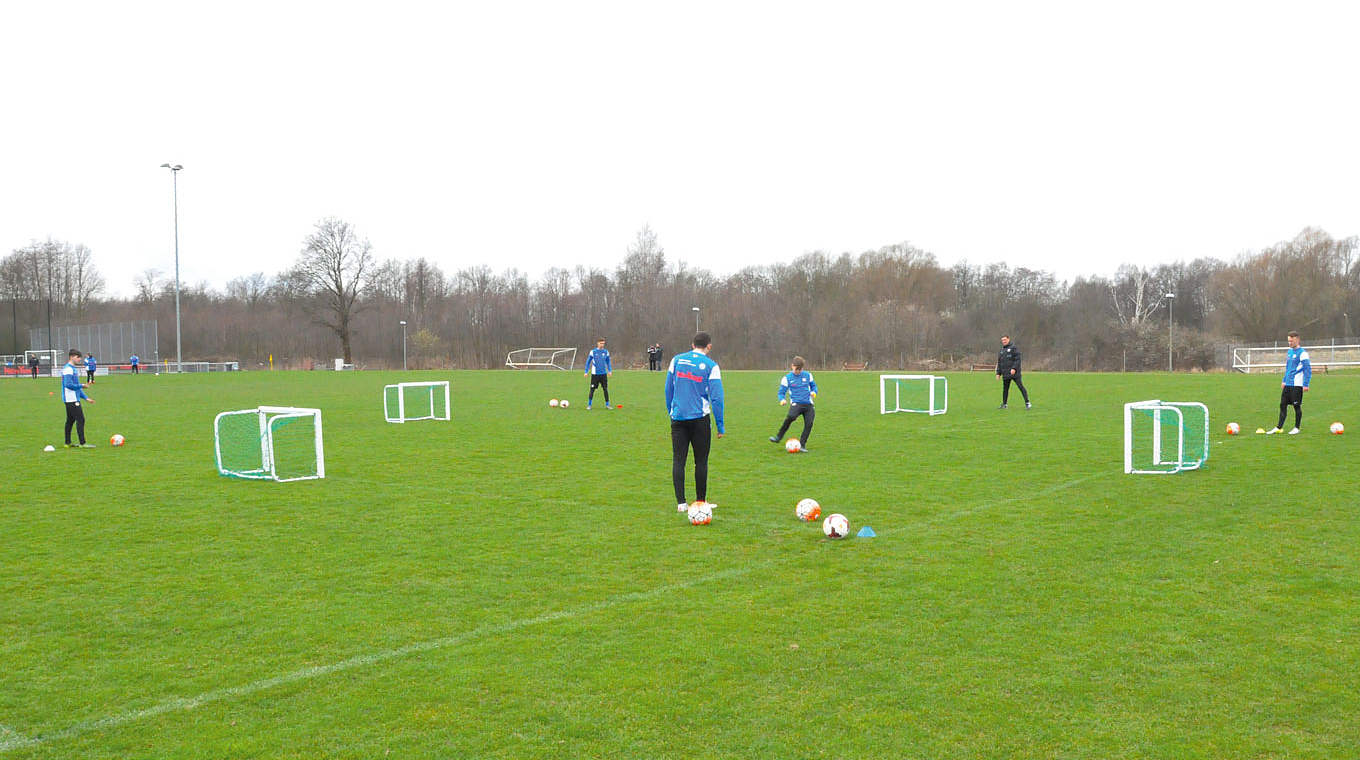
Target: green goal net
270 443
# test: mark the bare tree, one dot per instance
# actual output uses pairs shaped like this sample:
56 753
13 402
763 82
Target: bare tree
333 269
1136 293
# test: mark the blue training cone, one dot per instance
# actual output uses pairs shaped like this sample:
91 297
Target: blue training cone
866 532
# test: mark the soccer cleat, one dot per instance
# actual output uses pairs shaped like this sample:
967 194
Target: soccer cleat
91 445
587 407
1003 406
682 507
69 445
1028 405
774 439
805 450
1272 431
1295 431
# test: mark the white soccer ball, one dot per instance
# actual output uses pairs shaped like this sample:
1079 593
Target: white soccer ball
808 510
1234 428
1337 428
700 513
793 445
49 447
553 402
836 526
565 403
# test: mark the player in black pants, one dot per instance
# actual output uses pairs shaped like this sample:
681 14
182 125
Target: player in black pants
1008 370
684 435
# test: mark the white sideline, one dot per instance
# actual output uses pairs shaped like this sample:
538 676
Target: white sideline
12 740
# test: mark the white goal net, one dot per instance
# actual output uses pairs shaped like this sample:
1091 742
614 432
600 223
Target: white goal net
281 443
1165 437
923 394
541 358
406 402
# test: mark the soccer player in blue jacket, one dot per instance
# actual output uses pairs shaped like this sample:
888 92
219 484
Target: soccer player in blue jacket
693 391
1298 373
90 366
71 394
598 368
801 392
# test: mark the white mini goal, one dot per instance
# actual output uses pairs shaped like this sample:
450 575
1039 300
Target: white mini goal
541 358
1165 437
923 394
406 402
281 443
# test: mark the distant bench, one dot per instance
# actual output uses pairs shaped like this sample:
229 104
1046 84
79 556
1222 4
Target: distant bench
856 366
975 367
637 365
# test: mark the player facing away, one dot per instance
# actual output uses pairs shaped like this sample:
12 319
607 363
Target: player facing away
1008 371
90 366
1298 373
598 369
693 391
801 392
71 394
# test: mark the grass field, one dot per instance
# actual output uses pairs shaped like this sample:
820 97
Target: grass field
516 583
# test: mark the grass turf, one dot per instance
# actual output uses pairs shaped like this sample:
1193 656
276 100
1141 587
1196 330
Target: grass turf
517 583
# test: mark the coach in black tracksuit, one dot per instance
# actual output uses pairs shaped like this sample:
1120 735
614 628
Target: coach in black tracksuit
1008 370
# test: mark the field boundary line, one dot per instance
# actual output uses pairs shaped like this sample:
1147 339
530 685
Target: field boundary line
11 740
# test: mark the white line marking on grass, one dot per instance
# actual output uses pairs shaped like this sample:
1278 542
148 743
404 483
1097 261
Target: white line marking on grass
9 740
1055 488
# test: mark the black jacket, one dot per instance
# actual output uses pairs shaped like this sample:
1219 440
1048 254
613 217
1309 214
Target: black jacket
1007 359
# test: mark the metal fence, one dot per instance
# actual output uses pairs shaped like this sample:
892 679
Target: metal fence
110 343
1272 358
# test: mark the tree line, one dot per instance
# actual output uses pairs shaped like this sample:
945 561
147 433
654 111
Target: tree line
895 307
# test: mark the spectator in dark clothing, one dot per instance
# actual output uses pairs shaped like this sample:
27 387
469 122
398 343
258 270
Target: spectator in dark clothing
1008 370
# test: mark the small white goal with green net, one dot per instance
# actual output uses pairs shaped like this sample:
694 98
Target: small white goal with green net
923 394
407 402
281 443
1165 437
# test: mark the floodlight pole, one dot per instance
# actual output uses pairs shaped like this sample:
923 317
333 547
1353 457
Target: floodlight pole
179 353
1170 321
403 344
695 309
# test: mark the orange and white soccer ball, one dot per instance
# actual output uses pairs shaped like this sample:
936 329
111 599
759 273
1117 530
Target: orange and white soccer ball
793 445
700 513
808 510
836 526
117 440
1234 428
564 404
1337 428
553 402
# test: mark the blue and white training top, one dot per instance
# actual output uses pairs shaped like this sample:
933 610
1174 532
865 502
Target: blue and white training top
133 360
800 387
90 364
694 388
598 362
70 384
1298 370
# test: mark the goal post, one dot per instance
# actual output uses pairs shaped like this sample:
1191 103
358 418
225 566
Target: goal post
1165 437
407 402
541 358
280 443
922 394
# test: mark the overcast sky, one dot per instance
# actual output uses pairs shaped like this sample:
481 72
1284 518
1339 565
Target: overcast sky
1069 137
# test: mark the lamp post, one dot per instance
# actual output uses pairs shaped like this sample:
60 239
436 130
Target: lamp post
1170 320
695 309
403 344
1347 317
174 175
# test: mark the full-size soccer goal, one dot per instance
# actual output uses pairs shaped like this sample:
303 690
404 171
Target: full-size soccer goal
924 394
406 402
281 443
1165 437
541 358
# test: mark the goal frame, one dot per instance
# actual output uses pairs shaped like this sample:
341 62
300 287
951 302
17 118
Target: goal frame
1165 465
897 394
523 358
433 385
267 415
